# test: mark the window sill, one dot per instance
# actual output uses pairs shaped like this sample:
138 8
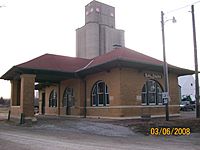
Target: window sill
100 106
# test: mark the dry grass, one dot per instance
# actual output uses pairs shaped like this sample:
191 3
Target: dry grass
144 126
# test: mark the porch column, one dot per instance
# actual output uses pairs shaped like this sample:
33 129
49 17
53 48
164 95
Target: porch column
15 99
14 92
27 95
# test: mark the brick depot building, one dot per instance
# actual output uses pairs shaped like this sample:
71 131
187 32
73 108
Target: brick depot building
111 82
121 83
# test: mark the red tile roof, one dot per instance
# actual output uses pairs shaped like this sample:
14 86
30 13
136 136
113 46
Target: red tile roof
55 63
126 55
75 64
72 65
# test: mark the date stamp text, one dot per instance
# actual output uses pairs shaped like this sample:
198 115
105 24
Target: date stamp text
177 131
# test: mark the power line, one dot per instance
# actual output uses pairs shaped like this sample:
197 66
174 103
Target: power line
182 7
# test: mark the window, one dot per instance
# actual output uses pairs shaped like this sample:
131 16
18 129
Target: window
100 94
53 99
68 97
152 93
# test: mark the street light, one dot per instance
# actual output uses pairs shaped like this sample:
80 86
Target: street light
196 64
165 66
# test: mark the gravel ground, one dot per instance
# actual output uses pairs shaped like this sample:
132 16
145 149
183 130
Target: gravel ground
81 125
63 133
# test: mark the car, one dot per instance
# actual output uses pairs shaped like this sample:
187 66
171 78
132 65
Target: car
186 105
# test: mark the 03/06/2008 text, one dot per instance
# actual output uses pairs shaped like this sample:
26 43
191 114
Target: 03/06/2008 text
177 131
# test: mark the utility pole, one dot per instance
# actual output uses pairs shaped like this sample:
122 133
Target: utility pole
196 64
165 69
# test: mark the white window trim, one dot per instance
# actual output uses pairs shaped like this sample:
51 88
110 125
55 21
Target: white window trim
105 92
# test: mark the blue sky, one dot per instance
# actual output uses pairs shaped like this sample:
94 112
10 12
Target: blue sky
30 28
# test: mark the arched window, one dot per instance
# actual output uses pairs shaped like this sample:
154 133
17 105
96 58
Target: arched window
100 94
68 97
152 93
53 99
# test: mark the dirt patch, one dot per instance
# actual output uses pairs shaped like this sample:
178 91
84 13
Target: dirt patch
108 127
144 126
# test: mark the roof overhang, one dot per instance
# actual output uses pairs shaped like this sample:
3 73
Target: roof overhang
41 75
121 63
45 76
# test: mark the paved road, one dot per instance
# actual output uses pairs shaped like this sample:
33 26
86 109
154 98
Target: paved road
69 135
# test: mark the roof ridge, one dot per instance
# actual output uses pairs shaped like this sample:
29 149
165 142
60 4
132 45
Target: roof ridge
144 55
85 66
123 53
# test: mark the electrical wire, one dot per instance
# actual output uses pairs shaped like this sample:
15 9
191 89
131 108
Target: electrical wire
182 7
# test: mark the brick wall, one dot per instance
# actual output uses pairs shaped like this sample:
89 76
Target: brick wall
112 79
124 85
51 110
27 94
15 111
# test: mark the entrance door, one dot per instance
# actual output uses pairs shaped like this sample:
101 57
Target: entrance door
43 103
68 100
68 110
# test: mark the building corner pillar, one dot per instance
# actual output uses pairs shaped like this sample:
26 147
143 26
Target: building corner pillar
27 96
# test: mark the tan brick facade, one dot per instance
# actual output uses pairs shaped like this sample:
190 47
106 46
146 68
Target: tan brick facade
22 96
125 86
27 94
15 92
78 97
50 110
